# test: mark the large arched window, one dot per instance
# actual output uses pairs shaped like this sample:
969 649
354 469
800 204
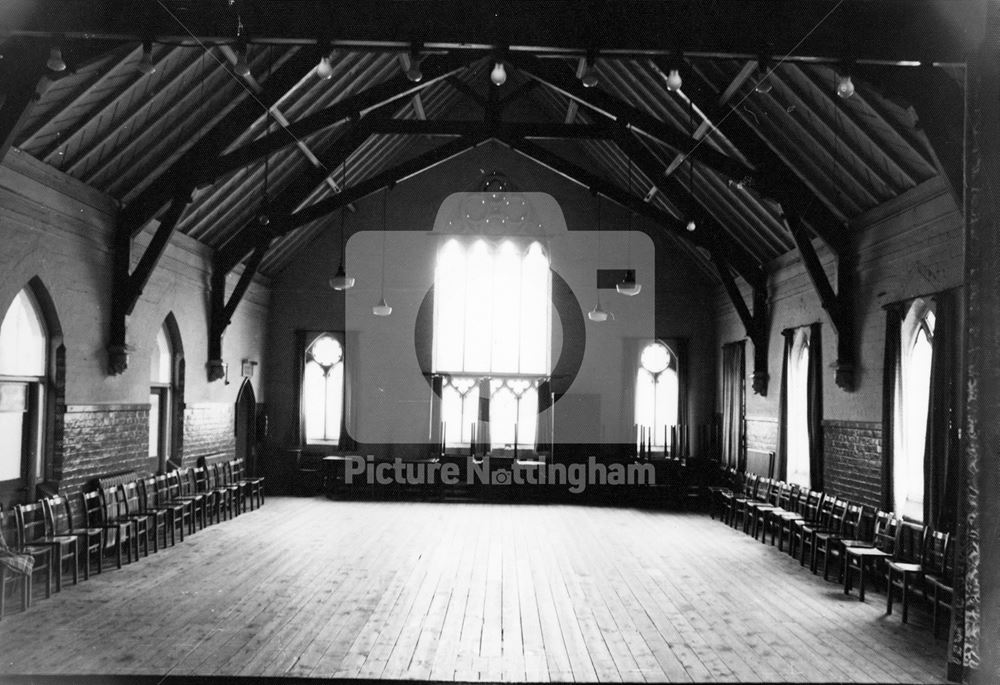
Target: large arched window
797 426
161 396
492 320
323 390
912 397
24 345
656 394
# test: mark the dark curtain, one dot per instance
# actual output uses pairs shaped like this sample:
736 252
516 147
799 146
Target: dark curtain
482 443
814 409
679 346
941 456
434 434
348 415
543 431
781 454
890 375
733 404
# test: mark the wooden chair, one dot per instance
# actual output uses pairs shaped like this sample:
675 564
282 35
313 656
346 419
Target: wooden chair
906 568
808 511
33 532
181 511
827 543
254 486
183 489
90 541
220 478
118 534
789 502
739 487
861 558
720 493
41 559
41 555
939 580
146 523
830 522
215 499
764 500
737 507
165 517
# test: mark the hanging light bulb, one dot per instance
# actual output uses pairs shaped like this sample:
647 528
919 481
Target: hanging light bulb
762 79
691 226
340 280
145 64
55 61
324 70
589 76
383 309
242 67
674 80
845 87
499 74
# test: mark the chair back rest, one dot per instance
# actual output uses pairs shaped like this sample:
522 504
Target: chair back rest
910 542
935 551
147 493
886 534
750 485
853 516
58 514
129 494
8 531
30 523
813 504
238 468
764 486
161 485
93 508
837 515
779 494
233 475
200 479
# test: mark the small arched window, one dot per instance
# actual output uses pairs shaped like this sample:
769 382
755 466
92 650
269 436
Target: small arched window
656 394
912 401
323 390
24 344
161 394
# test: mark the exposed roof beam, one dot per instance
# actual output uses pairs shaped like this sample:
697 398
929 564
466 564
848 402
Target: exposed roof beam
445 127
891 31
557 78
776 177
435 68
706 237
151 200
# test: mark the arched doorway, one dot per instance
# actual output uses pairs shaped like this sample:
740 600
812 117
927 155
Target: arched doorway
246 434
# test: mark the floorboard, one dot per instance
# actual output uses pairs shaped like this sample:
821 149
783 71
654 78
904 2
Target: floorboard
458 591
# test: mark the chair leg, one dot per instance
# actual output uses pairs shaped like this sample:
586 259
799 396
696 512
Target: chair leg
888 592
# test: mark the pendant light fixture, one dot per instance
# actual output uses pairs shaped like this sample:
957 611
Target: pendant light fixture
628 286
383 309
340 280
597 314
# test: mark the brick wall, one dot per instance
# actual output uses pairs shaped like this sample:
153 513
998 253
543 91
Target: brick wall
208 429
852 460
103 439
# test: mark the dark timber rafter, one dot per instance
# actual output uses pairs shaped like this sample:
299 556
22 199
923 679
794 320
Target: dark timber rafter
755 322
222 310
706 237
558 78
838 305
935 30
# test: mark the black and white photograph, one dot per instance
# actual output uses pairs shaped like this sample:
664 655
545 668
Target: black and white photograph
353 342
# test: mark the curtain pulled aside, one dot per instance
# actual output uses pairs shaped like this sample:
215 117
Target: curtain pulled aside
941 451
352 385
734 404
781 454
814 408
890 391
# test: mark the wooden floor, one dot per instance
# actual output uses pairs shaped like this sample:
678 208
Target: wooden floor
469 592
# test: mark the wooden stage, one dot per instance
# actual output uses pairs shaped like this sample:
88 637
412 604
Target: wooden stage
310 587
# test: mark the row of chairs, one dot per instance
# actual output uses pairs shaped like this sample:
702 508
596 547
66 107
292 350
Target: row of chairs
121 517
853 539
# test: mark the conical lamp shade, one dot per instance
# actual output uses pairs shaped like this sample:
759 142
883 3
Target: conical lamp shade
382 309
340 280
628 286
